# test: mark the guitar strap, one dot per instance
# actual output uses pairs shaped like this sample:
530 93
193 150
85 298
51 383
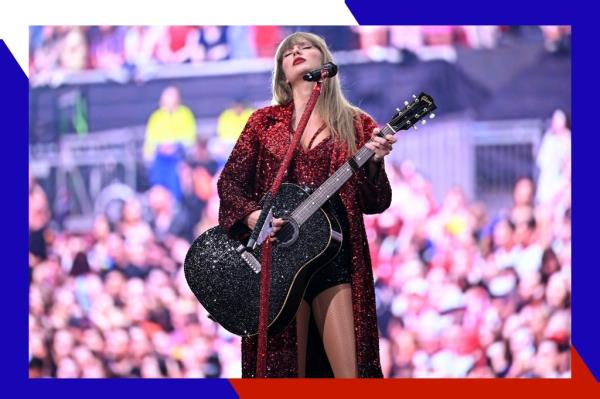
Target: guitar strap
263 313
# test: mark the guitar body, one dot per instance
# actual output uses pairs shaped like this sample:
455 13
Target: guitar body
229 288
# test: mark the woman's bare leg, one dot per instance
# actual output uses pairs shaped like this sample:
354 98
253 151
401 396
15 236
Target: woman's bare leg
302 320
332 310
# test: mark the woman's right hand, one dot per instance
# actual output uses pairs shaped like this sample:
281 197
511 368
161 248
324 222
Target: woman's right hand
252 218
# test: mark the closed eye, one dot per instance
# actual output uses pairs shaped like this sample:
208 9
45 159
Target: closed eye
307 47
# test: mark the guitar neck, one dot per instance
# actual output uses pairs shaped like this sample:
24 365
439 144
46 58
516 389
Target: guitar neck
334 182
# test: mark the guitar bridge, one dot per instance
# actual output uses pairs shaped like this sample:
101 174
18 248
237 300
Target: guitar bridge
251 261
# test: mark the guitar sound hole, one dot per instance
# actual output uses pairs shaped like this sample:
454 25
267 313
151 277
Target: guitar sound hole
287 234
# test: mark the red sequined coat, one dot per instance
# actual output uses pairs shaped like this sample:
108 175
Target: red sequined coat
249 173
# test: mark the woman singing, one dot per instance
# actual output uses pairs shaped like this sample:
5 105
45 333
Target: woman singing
335 329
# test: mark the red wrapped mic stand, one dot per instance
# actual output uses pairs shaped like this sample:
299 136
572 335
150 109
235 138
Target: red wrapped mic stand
263 315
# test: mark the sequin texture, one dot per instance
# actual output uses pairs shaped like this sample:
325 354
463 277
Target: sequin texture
249 173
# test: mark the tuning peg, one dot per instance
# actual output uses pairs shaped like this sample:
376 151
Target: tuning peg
431 116
398 110
406 103
415 127
414 96
424 121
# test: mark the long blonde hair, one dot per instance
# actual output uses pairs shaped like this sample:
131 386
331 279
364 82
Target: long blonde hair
332 106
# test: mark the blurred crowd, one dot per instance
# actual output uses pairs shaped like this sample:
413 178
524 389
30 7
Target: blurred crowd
461 291
465 293
64 49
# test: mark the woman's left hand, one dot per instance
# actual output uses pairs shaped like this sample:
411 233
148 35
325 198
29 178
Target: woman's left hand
382 146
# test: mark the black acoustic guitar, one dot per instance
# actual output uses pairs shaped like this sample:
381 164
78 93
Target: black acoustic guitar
225 275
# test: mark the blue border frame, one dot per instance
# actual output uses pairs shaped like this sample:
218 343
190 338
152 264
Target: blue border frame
14 111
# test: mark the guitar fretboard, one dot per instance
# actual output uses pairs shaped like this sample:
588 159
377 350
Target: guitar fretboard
333 183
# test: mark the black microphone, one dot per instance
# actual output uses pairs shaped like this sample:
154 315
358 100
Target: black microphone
315 74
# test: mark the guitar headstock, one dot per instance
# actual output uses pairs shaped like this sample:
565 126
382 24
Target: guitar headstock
417 110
